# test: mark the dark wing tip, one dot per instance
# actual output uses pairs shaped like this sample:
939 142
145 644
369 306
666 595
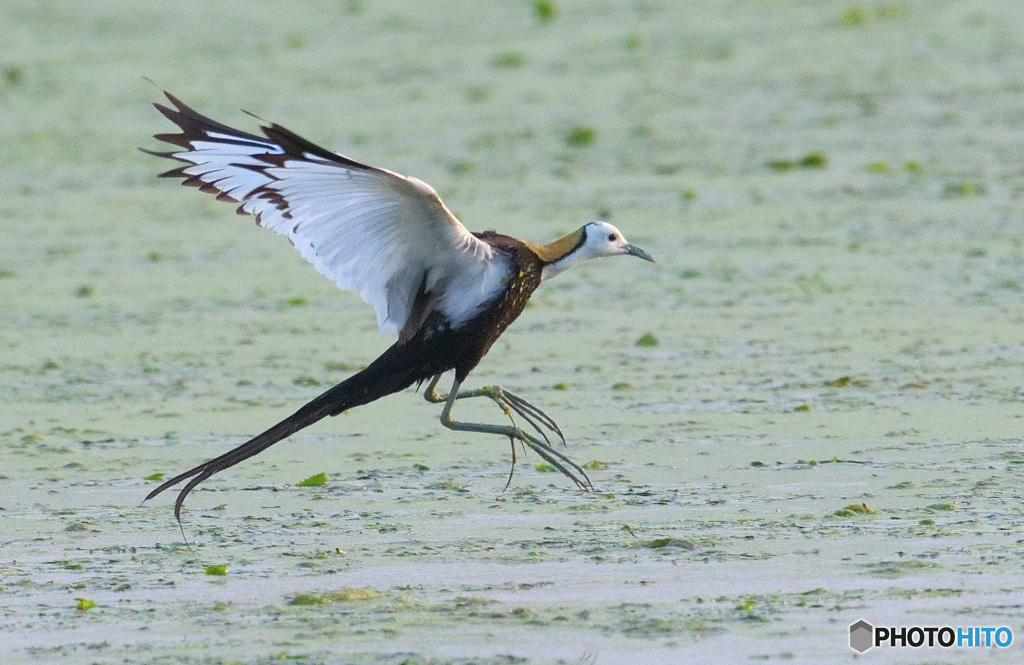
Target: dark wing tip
177 102
194 125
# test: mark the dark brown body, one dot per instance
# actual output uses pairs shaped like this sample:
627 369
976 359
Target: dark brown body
485 328
437 347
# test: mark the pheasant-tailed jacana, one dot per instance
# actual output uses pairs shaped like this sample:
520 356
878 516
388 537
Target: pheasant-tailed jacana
447 293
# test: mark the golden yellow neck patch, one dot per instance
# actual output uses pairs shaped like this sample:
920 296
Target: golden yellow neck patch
556 250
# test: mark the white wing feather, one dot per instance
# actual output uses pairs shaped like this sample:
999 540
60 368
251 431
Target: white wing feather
370 230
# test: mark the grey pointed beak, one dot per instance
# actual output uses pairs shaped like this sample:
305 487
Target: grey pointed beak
633 250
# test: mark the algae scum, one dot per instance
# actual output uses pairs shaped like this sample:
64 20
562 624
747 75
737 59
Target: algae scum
808 413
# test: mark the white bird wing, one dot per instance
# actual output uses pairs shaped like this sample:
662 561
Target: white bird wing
388 237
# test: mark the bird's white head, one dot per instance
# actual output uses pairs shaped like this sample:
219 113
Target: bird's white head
592 241
603 239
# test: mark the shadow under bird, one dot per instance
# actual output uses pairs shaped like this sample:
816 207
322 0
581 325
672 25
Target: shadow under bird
446 292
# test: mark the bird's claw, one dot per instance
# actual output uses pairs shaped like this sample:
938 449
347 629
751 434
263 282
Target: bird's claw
510 404
537 419
560 461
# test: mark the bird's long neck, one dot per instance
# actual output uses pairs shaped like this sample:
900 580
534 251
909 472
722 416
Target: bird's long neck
560 255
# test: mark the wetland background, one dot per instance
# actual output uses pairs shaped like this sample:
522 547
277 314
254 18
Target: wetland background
809 412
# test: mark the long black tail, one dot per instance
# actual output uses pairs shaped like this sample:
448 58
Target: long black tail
383 377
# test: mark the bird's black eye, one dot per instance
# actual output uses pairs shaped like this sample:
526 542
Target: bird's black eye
613 238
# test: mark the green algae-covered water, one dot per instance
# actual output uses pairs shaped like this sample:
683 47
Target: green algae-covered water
807 413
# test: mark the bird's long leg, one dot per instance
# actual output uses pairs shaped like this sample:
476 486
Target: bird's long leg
507 400
568 468
432 396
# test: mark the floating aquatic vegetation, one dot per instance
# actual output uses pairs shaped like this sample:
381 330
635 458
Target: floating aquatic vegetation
581 136
316 480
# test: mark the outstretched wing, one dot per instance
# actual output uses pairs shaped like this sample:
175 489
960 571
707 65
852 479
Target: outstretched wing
388 237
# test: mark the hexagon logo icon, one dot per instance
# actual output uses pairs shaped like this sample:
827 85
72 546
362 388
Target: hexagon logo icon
862 636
